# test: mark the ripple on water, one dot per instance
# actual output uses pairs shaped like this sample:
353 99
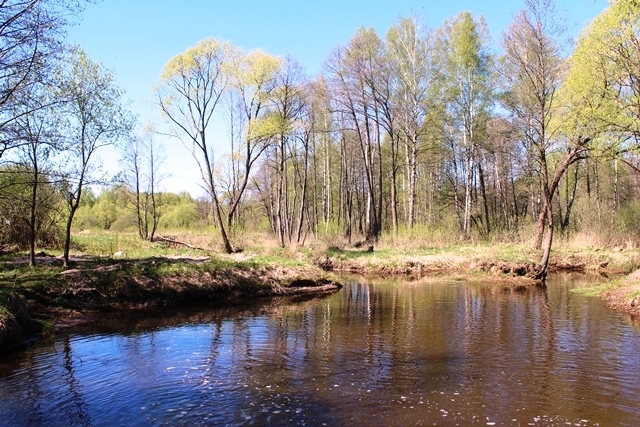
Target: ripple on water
374 354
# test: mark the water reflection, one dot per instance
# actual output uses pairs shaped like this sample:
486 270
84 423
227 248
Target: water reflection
376 353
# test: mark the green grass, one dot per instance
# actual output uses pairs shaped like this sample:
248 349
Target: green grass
596 291
632 295
106 244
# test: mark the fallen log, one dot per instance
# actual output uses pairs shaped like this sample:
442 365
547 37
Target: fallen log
177 242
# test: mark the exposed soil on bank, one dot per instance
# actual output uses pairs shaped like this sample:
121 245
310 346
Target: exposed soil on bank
448 264
625 298
67 297
510 274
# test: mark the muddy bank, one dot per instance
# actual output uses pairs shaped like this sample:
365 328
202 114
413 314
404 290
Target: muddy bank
626 297
447 264
65 298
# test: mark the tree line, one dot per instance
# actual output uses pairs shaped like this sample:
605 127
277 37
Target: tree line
413 130
57 108
419 126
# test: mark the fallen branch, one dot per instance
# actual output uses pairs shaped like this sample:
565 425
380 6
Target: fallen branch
177 242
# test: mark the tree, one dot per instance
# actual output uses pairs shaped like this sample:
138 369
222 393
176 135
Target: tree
254 79
603 82
37 129
355 78
411 54
30 32
533 71
93 118
191 88
142 160
468 91
289 103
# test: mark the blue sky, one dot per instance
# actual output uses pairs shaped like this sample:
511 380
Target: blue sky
135 38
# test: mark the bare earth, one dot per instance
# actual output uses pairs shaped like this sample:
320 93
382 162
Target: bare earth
627 297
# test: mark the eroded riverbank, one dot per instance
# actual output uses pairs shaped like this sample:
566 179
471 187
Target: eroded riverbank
379 352
503 265
37 303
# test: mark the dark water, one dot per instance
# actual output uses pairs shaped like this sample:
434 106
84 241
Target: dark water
379 354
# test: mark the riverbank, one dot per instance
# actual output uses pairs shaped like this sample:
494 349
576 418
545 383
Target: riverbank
495 262
36 301
621 294
502 264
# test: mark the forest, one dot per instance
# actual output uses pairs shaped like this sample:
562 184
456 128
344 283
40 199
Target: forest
416 136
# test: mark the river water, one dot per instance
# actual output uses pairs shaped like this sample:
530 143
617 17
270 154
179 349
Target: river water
377 353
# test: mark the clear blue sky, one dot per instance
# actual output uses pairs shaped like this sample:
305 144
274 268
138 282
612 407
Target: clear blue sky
135 38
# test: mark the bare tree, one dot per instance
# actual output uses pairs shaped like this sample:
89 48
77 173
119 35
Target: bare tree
30 33
192 86
354 79
533 73
142 160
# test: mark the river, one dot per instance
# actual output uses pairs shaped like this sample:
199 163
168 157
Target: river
377 353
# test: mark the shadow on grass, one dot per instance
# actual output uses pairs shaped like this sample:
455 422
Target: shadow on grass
357 253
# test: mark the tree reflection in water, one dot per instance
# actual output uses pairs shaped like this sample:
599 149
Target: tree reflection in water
379 352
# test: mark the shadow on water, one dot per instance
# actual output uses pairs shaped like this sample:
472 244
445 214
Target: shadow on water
377 353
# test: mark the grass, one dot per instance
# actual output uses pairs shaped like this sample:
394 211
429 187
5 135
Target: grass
633 295
105 244
596 291
260 251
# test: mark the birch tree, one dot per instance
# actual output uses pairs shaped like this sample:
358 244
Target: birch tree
411 53
466 63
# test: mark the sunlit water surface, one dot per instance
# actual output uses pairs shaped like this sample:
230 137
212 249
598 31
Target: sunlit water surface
374 354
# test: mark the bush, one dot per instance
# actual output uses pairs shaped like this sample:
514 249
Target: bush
15 212
180 216
127 222
331 234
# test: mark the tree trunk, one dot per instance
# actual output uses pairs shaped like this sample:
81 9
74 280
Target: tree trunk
73 206
280 195
413 165
217 215
32 216
467 196
226 244
543 267
303 198
394 189
571 197
537 240
484 198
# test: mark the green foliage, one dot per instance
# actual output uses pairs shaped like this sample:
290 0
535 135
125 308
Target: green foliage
603 81
184 215
331 234
15 202
626 222
196 59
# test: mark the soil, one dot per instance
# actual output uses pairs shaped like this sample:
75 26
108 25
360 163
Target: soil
136 285
69 297
625 298
446 264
